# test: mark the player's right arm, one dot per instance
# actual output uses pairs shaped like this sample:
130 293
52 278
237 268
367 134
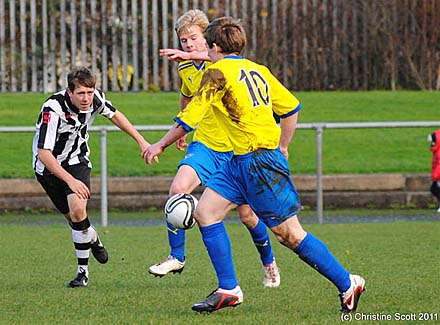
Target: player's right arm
78 187
181 142
179 56
153 151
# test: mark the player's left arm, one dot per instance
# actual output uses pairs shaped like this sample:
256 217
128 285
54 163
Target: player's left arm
288 127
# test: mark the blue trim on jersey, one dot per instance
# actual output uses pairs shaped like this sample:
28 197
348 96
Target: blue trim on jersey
190 64
201 66
237 57
292 112
185 126
186 96
184 65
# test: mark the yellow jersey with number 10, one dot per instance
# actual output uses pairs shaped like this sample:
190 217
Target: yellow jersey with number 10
242 94
208 131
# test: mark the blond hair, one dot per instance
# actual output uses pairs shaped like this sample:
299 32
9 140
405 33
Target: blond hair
190 18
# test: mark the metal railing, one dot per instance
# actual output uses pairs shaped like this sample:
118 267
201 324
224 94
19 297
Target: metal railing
318 127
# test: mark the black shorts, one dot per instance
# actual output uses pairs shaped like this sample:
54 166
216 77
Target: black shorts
58 190
435 189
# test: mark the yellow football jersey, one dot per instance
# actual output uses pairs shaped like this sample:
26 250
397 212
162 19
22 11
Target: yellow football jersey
242 95
208 131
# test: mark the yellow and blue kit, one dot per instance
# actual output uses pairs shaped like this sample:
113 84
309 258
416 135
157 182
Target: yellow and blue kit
243 95
208 131
210 147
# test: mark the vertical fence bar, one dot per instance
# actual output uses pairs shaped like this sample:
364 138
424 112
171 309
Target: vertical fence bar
33 46
63 43
2 47
319 195
135 44
73 34
104 204
103 41
45 46
12 27
145 47
23 47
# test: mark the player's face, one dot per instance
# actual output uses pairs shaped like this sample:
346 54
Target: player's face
193 40
81 97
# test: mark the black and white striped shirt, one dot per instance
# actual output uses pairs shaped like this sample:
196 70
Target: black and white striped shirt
62 128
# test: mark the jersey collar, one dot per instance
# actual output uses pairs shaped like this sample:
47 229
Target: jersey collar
237 57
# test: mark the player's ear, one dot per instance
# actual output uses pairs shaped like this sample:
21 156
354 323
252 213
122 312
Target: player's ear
217 48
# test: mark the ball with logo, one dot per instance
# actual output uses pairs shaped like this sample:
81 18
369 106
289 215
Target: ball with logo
179 210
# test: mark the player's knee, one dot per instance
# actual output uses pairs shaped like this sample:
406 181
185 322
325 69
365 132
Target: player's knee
250 220
77 214
288 241
289 236
177 188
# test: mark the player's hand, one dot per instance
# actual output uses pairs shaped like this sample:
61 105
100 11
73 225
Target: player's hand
80 189
144 147
152 152
174 55
285 152
181 143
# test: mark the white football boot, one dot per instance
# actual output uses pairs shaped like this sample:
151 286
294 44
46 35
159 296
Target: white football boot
170 264
350 298
272 277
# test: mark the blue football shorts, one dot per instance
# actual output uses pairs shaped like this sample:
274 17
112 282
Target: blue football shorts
204 160
262 180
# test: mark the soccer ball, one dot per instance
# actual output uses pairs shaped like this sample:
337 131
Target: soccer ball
179 210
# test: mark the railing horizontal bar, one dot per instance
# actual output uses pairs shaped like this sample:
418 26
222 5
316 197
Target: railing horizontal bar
323 125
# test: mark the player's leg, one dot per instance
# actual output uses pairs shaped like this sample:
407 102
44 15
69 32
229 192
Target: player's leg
316 254
260 237
185 181
58 191
210 212
435 190
84 235
282 198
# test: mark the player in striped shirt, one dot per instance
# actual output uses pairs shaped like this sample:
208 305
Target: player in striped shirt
208 151
61 158
242 95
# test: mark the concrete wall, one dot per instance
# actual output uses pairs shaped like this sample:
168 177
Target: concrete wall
133 193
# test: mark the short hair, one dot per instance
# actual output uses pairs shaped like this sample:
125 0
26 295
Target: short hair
190 18
80 76
227 33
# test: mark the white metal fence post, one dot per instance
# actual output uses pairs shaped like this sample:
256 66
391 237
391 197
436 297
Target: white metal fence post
319 194
104 199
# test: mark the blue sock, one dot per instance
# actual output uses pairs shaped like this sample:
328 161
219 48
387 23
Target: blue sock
217 243
315 253
261 239
176 239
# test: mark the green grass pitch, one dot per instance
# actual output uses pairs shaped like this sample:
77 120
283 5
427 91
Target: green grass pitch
400 262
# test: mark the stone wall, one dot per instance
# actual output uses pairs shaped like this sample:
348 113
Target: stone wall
134 193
